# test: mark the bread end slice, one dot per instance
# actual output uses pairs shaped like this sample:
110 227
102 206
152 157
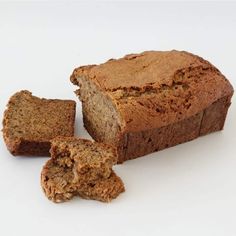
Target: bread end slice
30 123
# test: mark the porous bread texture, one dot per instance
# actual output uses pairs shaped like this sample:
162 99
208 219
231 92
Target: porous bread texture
30 123
133 101
103 190
103 117
81 167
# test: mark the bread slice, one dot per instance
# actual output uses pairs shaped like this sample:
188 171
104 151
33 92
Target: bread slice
146 102
30 123
80 167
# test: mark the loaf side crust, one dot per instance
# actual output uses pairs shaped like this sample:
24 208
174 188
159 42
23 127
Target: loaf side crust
137 144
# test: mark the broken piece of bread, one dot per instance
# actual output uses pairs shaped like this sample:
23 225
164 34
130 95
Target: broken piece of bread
30 123
80 167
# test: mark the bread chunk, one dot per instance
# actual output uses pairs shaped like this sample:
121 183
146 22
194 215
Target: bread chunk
80 167
30 123
146 102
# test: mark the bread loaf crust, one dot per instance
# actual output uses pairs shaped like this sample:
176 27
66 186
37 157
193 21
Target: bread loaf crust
158 91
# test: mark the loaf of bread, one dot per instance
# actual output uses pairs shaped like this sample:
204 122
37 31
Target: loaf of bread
146 102
30 123
80 167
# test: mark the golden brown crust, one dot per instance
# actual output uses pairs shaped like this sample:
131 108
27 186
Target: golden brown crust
30 123
157 88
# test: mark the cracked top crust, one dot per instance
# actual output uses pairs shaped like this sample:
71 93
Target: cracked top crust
155 88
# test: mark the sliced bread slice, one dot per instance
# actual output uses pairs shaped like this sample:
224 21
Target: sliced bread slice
30 123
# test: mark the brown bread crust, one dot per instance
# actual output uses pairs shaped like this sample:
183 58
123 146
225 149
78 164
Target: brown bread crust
155 93
137 144
30 123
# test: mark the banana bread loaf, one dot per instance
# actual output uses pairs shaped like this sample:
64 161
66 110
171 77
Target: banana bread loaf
30 123
146 102
80 167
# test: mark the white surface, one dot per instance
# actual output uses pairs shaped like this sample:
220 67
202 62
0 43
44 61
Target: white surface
189 189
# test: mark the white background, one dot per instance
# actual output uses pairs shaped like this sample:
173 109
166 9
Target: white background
189 189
